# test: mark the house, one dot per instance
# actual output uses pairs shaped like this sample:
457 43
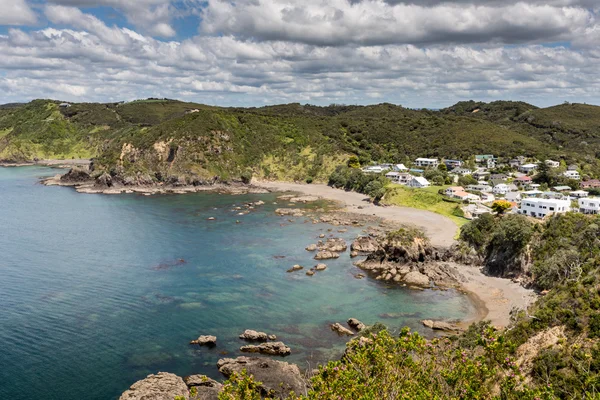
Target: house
512 187
461 171
494 182
480 174
501 188
513 197
552 164
533 193
589 206
400 168
500 177
533 186
487 197
451 164
64 105
528 168
374 169
562 188
573 167
480 188
488 159
514 163
572 174
590 184
427 162
451 191
579 194
539 208
464 196
398 177
418 182
523 180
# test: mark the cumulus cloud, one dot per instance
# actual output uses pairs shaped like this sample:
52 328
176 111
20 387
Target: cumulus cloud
16 12
375 22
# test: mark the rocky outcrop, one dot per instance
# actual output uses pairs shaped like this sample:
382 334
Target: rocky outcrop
416 278
304 199
162 386
202 387
441 326
270 348
364 244
335 245
311 247
295 268
356 324
528 351
294 212
320 267
277 378
205 340
254 336
76 175
326 255
341 330
104 180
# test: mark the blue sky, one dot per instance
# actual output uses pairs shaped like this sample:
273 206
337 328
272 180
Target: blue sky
426 53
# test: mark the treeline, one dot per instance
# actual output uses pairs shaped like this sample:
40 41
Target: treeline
355 180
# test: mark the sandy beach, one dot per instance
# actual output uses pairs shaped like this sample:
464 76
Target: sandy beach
493 297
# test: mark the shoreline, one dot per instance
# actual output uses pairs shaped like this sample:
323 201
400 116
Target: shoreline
48 163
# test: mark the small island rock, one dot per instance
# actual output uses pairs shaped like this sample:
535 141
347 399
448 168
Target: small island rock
254 336
205 340
326 255
270 348
341 330
356 324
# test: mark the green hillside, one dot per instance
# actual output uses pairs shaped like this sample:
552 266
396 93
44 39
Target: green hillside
159 138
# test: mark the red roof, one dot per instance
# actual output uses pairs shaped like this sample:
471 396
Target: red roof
524 178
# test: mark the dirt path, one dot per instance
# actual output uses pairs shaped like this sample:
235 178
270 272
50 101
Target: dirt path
440 230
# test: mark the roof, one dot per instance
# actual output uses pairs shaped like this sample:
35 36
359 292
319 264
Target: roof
427 159
529 166
421 180
456 188
484 157
523 178
561 188
393 174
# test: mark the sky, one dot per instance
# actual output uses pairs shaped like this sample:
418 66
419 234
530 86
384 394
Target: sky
417 53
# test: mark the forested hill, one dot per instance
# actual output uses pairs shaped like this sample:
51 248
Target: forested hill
291 141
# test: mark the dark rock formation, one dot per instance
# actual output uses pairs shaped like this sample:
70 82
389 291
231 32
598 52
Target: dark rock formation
76 175
356 324
278 378
202 387
364 244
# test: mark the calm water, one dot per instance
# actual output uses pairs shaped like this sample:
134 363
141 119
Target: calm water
92 299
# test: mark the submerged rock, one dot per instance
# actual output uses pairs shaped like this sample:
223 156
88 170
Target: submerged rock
205 340
270 348
162 386
278 378
356 324
341 330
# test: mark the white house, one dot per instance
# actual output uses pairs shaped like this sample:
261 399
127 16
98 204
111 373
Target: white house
427 162
418 182
398 177
487 197
501 188
572 175
539 208
528 168
374 169
589 206
579 194
400 168
480 188
461 171
552 164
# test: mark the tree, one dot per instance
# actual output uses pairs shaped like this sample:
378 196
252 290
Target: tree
500 206
442 167
544 175
375 190
353 162
467 180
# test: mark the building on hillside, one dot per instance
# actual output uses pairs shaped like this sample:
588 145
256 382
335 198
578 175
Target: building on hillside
552 164
533 193
590 184
500 177
374 169
64 105
453 190
513 197
480 174
572 175
539 208
528 168
533 186
418 182
589 206
512 187
487 197
399 177
522 180
579 194
461 171
488 159
514 163
562 188
573 167
427 162
451 164
480 188
501 188
400 168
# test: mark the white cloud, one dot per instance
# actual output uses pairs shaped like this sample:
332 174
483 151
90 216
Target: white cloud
16 12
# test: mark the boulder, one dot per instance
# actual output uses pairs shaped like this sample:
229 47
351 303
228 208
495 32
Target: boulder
205 340
272 337
311 247
254 336
310 273
356 324
415 278
202 387
162 386
104 180
270 348
354 254
76 175
326 255
295 268
441 326
322 235
334 244
278 378
364 244
341 330
320 267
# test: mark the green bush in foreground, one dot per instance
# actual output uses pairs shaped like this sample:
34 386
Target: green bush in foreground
381 366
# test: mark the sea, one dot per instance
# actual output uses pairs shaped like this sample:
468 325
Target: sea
98 291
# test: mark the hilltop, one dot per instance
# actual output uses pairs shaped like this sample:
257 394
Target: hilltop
162 138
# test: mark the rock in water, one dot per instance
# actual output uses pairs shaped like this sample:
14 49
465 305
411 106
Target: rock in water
311 247
295 268
76 175
415 278
271 348
341 330
205 388
320 267
162 386
356 324
254 336
334 245
364 244
294 212
441 326
310 273
205 340
326 255
278 378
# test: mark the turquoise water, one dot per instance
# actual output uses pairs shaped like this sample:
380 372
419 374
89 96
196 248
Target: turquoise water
92 297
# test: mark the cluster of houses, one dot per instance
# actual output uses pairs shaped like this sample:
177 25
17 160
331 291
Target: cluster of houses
516 187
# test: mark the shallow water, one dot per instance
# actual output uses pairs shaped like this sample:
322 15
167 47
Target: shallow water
93 297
